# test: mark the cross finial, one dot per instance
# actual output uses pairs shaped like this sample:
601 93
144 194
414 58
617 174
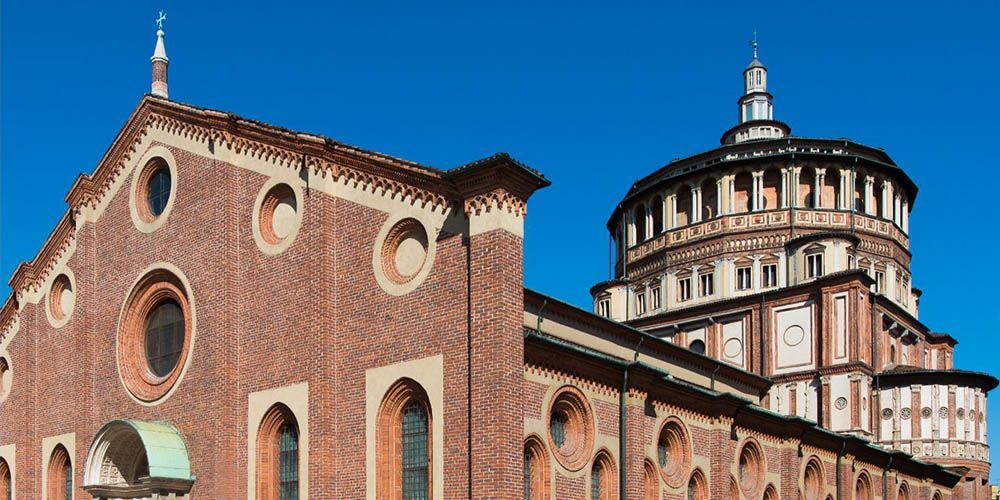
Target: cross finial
753 43
160 19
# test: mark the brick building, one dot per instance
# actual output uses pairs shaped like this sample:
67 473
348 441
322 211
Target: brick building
230 309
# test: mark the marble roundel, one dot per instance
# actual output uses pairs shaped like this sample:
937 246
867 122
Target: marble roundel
733 348
794 335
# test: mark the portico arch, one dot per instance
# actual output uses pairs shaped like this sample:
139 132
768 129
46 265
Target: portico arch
135 459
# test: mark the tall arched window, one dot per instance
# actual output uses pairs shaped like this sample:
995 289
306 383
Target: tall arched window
640 223
6 485
772 195
602 478
404 441
278 455
770 493
863 488
709 199
697 488
904 492
743 192
812 480
536 470
656 214
650 481
806 194
60 475
684 212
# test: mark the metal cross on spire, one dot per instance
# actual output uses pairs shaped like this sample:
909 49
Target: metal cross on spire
753 43
160 19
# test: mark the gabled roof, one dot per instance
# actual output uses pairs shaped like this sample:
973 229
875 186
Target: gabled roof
421 182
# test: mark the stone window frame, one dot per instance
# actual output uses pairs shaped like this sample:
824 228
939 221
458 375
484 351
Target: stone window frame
684 289
699 481
813 480
744 282
269 196
608 478
6 376
706 283
157 283
267 473
753 483
63 280
656 298
675 431
575 453
650 481
295 398
153 160
814 267
388 434
863 486
49 447
640 302
8 453
764 266
6 480
536 455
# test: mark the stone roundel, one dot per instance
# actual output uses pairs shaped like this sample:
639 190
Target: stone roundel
732 348
61 299
794 335
570 407
277 216
926 412
153 288
403 254
6 378
840 403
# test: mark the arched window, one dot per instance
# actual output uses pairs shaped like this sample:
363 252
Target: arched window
772 195
640 223
650 481
830 190
60 475
859 193
697 488
892 354
536 470
863 487
602 478
806 194
812 480
697 346
404 443
656 213
709 199
6 486
904 492
278 455
743 192
770 493
684 214
751 468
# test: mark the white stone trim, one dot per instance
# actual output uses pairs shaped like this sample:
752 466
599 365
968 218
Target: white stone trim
287 177
429 373
432 228
9 454
296 398
47 301
49 444
133 206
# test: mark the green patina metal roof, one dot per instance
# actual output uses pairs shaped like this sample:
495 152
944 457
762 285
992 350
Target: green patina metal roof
165 449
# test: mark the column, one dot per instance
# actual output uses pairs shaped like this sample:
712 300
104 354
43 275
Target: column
696 204
869 195
886 200
906 216
673 210
783 196
794 181
664 213
755 272
818 197
718 197
758 184
732 194
846 190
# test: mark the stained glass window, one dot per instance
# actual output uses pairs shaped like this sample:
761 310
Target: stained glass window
288 462
415 452
164 337
159 191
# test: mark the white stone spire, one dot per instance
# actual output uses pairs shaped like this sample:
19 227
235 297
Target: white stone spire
160 61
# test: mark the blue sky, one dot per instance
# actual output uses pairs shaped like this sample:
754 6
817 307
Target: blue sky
595 95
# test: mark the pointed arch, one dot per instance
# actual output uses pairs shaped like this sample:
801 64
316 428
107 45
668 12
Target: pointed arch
770 493
697 486
603 478
863 487
6 483
278 455
59 484
904 491
650 481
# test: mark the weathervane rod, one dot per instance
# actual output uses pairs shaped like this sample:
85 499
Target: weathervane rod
160 19
753 43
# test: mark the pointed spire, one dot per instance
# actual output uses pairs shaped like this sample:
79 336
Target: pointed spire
160 61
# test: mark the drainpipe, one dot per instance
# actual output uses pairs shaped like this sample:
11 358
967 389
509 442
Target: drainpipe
840 455
760 314
622 469
716 370
885 478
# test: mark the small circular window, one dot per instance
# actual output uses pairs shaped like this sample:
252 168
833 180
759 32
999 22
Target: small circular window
155 182
154 189
61 299
571 432
155 335
673 452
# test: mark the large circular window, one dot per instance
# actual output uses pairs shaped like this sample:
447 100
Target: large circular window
673 452
155 335
571 430
751 469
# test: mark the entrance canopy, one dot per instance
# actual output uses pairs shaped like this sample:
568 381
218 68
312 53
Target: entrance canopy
135 458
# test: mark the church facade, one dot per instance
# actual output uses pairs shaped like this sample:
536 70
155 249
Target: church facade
230 309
